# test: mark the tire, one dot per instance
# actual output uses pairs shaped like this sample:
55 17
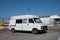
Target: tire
44 31
34 31
13 30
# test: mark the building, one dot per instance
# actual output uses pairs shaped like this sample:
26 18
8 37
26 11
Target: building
51 20
4 21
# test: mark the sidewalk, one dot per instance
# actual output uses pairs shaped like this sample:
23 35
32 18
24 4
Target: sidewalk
3 27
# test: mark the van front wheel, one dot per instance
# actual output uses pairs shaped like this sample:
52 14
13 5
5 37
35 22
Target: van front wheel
13 30
34 31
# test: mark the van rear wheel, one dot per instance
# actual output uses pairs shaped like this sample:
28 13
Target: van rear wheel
34 31
13 30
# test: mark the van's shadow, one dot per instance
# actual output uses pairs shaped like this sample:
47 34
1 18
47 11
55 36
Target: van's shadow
29 32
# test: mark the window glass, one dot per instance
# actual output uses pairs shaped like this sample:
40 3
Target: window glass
24 20
31 21
19 21
37 20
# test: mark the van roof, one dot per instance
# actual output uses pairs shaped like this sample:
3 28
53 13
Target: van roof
24 16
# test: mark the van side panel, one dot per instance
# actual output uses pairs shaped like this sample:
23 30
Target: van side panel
12 22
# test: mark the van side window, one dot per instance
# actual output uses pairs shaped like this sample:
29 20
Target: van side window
31 21
19 21
24 20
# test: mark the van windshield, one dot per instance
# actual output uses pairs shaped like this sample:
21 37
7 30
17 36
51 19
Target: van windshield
37 20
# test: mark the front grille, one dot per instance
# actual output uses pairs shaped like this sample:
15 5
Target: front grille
44 27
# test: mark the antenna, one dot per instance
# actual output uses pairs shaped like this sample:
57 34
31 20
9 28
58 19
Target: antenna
28 10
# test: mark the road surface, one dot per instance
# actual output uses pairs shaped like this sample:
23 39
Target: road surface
52 34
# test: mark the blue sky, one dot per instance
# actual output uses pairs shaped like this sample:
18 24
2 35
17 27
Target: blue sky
10 8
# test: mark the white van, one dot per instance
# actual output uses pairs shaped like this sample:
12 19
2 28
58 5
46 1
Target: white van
27 23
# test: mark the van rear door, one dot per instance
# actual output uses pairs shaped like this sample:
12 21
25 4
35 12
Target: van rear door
25 26
18 24
28 24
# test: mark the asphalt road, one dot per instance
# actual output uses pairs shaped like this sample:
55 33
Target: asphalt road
52 34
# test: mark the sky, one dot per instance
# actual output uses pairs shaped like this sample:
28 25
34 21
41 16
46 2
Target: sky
10 8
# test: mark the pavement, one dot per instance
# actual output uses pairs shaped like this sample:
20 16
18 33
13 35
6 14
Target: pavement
3 27
53 33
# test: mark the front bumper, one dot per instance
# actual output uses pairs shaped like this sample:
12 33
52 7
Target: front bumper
45 28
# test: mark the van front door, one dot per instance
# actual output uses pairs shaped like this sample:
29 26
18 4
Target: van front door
18 24
30 24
